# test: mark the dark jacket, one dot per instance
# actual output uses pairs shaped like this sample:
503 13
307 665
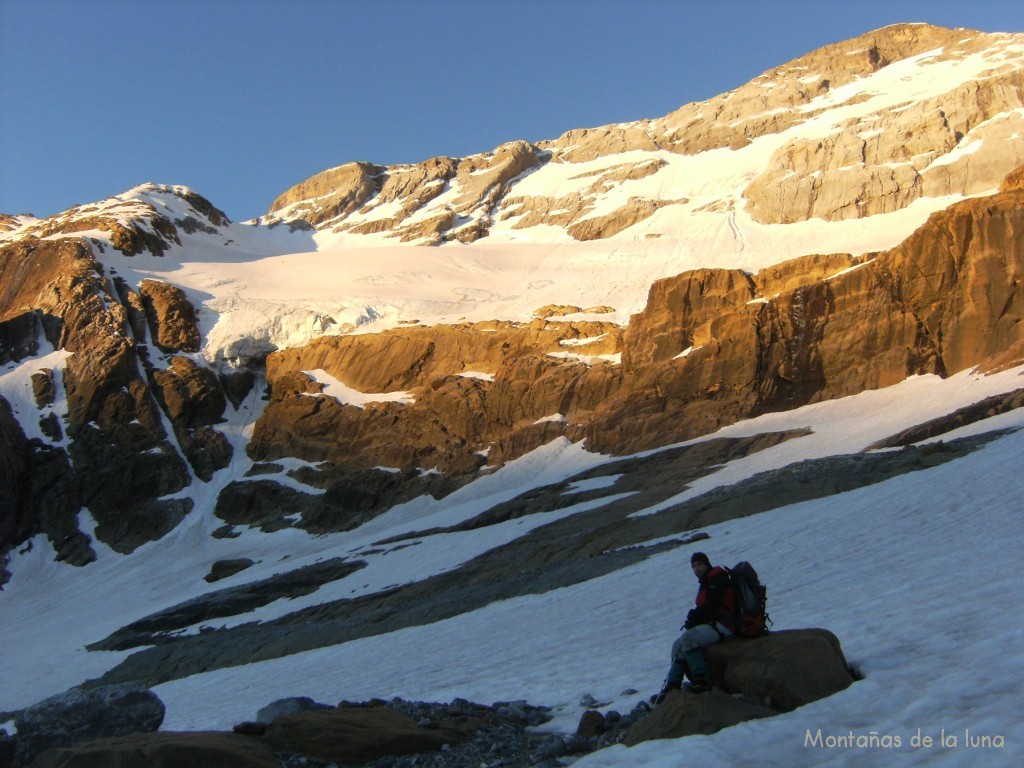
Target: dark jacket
716 600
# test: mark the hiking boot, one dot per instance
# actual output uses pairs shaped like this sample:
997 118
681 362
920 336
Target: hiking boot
700 685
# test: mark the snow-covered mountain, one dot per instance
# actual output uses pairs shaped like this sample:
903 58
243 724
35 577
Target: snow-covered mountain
501 391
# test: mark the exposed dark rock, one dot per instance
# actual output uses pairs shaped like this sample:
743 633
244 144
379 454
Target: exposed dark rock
43 387
172 318
165 750
237 386
685 714
261 468
356 734
229 601
190 394
591 724
224 568
270 506
983 409
79 716
350 497
126 529
207 450
41 495
20 335
124 483
118 462
49 425
205 208
193 399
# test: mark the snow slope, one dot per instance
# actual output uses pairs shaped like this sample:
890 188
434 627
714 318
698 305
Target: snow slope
916 575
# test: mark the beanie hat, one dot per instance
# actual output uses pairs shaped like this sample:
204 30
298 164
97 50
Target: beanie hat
700 557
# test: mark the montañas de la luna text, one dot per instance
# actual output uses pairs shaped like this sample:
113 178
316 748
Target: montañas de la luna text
876 740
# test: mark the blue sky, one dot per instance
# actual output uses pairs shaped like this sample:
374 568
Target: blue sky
239 100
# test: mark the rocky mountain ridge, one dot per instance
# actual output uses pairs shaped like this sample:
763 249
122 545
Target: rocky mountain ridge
130 419
836 145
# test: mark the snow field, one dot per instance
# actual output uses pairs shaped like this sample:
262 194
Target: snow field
915 575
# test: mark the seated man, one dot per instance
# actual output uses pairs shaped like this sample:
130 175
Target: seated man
713 619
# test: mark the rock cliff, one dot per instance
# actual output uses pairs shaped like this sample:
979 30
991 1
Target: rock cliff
710 348
110 450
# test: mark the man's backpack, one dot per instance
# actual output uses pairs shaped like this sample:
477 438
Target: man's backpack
751 600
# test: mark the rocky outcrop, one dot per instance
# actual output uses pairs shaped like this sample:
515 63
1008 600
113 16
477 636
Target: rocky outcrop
355 734
41 495
944 300
193 749
331 193
172 318
367 199
194 399
80 716
599 227
117 460
960 144
223 569
110 450
983 409
455 411
133 225
710 347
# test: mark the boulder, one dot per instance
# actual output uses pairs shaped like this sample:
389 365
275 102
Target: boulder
591 724
784 669
221 569
353 734
79 716
685 714
290 706
751 678
165 750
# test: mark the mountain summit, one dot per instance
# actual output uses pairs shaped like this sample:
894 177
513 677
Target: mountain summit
851 130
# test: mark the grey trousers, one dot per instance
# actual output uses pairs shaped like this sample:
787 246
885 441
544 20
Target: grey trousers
688 651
